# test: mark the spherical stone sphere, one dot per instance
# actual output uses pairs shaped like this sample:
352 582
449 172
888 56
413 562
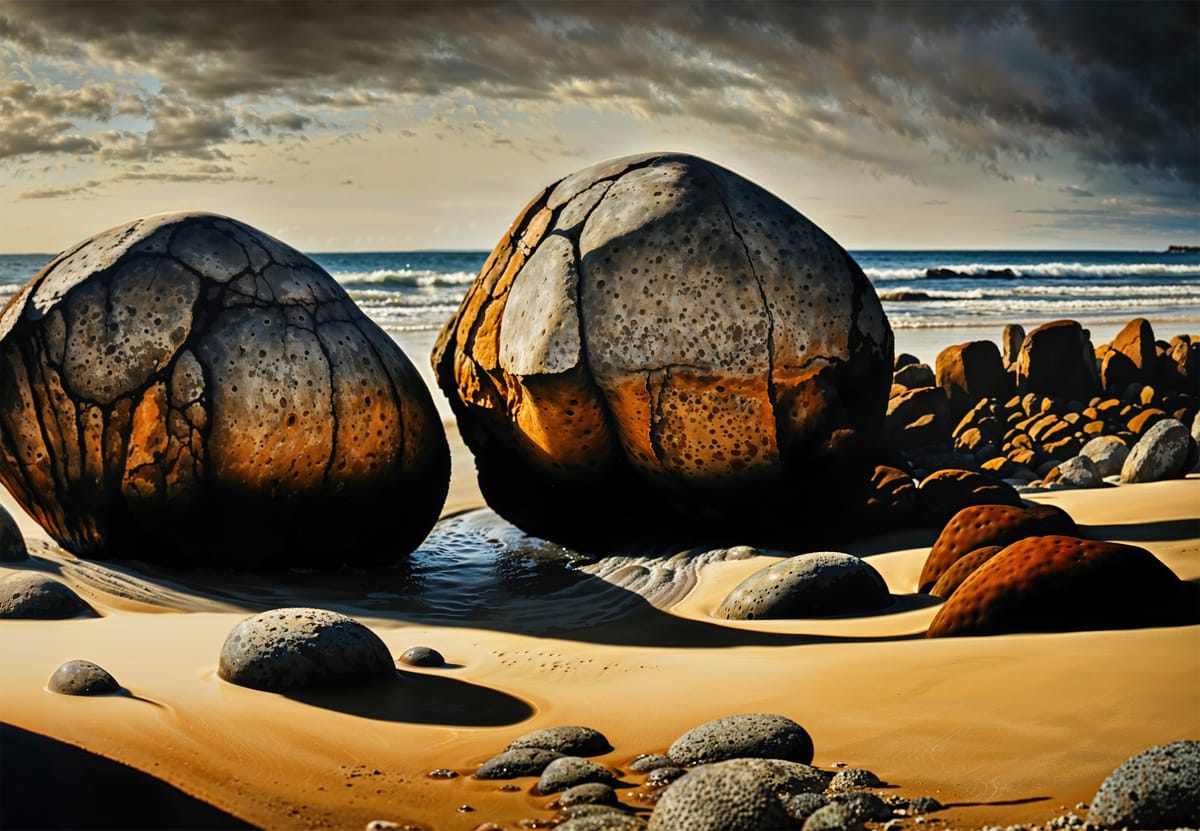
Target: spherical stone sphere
186 389
660 341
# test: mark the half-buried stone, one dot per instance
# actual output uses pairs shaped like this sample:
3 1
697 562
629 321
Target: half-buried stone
185 367
522 761
568 739
82 678
744 735
293 649
717 799
34 596
568 771
819 584
1157 788
662 340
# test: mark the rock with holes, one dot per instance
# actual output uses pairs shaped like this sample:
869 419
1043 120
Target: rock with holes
1157 788
1066 584
569 739
568 771
186 367
286 650
979 526
82 678
521 761
662 340
744 735
1161 453
712 798
818 584
31 595
961 568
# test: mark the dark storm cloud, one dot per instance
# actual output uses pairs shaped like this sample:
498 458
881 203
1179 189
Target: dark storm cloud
1112 84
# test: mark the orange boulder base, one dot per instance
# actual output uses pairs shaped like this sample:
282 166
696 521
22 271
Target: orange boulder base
1066 584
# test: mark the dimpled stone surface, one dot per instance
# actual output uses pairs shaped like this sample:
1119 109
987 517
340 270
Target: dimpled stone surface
978 526
810 585
958 571
185 368
82 678
1161 453
569 771
756 735
523 761
1157 788
569 739
657 337
1063 584
35 596
784 778
719 799
299 648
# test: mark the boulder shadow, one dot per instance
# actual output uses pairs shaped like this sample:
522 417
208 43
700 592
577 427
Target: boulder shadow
422 699
1168 531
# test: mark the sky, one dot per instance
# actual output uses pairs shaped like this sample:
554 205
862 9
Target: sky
340 126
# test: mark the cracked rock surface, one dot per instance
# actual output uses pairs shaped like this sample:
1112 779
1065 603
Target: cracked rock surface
186 389
658 338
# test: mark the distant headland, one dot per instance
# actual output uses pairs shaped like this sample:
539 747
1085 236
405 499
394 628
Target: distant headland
1183 249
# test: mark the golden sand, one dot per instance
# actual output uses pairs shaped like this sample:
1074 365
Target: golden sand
1003 729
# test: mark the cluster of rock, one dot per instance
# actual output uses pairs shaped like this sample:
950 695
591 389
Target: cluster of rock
1051 410
1008 569
186 367
666 342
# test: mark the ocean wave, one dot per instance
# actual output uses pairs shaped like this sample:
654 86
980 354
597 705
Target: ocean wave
404 277
1059 270
1075 292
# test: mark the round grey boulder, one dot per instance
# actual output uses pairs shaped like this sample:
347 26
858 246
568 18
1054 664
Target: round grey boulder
567 739
522 761
32 595
82 678
650 761
1157 788
819 584
1160 453
1079 472
784 778
422 656
712 798
568 771
588 793
1108 453
12 544
745 735
300 648
834 817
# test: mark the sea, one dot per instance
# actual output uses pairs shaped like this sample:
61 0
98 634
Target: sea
931 298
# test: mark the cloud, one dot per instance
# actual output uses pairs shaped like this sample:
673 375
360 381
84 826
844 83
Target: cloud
898 88
78 189
1075 192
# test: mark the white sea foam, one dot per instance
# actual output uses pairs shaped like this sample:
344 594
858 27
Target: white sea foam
1061 270
405 277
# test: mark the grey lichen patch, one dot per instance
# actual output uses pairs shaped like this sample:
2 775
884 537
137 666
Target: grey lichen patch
300 648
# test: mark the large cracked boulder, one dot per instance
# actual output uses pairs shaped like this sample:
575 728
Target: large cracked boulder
186 389
658 342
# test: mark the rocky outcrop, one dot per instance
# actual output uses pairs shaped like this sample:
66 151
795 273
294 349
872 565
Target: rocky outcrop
186 368
970 372
659 339
1057 359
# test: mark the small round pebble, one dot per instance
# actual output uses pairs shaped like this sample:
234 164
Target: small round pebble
589 793
301 648
649 761
82 678
443 773
569 740
422 656
924 805
744 735
569 771
802 805
661 777
12 544
853 779
523 761
1157 788
30 595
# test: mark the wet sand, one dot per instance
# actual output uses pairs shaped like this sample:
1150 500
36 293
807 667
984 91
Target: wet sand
1006 729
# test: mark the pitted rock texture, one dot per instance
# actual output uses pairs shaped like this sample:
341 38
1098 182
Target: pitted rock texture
958 571
568 771
836 816
803 805
569 739
609 819
1066 584
784 778
978 526
12 544
589 793
82 678
522 761
31 595
662 340
744 735
647 762
187 389
853 779
818 584
1161 453
298 648
1157 788
711 798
